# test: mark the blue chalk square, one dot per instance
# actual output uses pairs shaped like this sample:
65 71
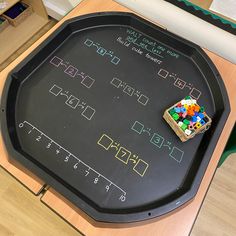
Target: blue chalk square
157 140
115 60
88 42
101 51
137 127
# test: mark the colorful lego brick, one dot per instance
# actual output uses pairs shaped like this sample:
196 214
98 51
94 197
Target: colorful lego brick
175 116
202 122
202 109
201 115
187 131
187 122
194 119
198 118
184 127
197 108
190 127
171 111
177 109
188 102
197 125
186 106
190 112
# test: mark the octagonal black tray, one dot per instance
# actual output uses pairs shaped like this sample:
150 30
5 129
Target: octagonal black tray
84 112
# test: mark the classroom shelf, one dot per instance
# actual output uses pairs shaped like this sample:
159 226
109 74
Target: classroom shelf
19 35
12 38
10 3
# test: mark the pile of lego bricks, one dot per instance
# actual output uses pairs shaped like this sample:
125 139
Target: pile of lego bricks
189 117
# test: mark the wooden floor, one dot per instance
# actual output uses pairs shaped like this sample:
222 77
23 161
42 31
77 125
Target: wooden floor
22 213
218 213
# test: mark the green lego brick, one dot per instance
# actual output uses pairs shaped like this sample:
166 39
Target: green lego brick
184 127
171 111
175 116
202 109
187 122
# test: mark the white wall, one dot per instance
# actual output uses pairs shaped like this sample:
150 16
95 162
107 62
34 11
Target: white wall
186 25
59 8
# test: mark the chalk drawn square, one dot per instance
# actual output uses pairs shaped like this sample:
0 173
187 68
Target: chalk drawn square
157 140
88 113
195 93
116 82
115 60
179 83
87 82
72 101
88 42
137 127
71 71
163 73
123 155
143 100
129 90
105 141
55 90
177 154
141 167
101 51
56 61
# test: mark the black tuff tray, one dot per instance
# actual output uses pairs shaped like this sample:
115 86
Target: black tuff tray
84 112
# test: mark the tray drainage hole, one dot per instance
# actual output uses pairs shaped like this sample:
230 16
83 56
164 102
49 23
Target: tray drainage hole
149 214
3 109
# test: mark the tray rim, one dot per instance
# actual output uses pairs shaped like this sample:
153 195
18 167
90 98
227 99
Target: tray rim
51 37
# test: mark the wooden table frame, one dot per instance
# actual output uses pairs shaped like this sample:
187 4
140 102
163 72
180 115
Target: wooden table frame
179 222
